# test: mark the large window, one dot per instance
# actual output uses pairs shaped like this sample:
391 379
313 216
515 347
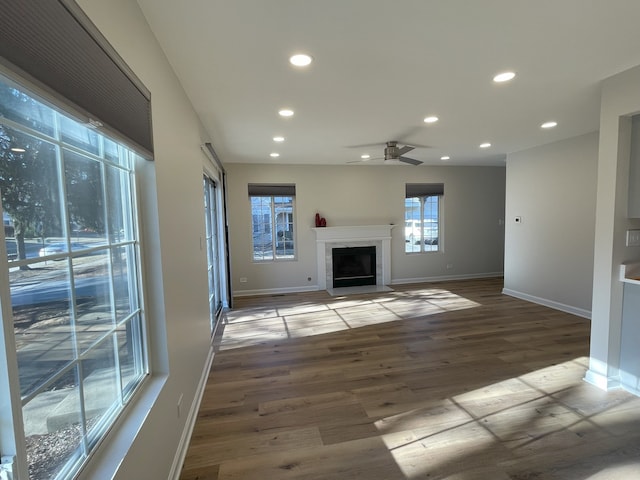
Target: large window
422 216
72 265
272 222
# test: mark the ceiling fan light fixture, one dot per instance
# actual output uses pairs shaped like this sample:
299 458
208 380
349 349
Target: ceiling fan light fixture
300 60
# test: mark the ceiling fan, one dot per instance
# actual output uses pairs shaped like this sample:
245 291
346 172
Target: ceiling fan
395 155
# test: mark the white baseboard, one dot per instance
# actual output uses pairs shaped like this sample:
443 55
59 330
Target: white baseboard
183 446
444 278
548 303
275 291
631 389
397 281
601 381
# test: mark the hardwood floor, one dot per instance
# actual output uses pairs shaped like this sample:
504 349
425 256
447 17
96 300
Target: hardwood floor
449 380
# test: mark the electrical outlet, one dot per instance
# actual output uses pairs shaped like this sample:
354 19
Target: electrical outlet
180 404
243 279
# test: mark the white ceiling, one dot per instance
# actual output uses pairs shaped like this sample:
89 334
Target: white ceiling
381 66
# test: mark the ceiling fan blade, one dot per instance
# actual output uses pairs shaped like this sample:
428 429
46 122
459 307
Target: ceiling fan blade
412 161
418 145
409 132
405 149
405 136
362 160
365 145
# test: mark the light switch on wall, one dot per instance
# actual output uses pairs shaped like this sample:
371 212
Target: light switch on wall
633 238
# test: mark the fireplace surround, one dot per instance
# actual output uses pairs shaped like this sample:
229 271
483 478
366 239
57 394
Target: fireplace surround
328 238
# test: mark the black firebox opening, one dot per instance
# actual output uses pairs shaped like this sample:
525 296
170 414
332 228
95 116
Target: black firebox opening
353 266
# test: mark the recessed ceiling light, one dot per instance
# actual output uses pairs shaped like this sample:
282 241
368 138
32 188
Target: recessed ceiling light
18 150
300 60
285 112
504 77
274 155
446 157
485 145
365 156
278 139
431 119
549 124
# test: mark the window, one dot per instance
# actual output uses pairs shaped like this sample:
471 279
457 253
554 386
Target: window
272 222
72 263
422 214
213 249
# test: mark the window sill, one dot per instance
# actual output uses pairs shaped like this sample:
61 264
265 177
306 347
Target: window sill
107 457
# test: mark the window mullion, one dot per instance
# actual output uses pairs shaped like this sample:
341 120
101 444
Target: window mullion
72 297
423 201
12 438
73 310
110 252
274 240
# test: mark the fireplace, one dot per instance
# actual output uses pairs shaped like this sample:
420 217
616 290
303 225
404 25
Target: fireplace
376 236
353 266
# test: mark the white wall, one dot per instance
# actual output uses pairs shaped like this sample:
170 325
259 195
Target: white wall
371 195
620 100
549 254
177 303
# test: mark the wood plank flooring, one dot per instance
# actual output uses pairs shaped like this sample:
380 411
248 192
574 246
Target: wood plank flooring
449 380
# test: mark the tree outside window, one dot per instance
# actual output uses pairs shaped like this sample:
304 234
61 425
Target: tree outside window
68 196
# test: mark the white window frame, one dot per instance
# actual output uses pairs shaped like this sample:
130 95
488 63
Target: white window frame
12 437
419 236
271 239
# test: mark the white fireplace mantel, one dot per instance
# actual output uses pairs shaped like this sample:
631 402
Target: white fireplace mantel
330 237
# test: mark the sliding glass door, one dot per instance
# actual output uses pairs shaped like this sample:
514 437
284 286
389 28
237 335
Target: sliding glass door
214 244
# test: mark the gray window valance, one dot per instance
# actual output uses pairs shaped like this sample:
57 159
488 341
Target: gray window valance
53 44
272 190
424 189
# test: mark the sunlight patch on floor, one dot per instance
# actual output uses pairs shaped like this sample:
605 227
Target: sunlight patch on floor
512 422
618 472
261 325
